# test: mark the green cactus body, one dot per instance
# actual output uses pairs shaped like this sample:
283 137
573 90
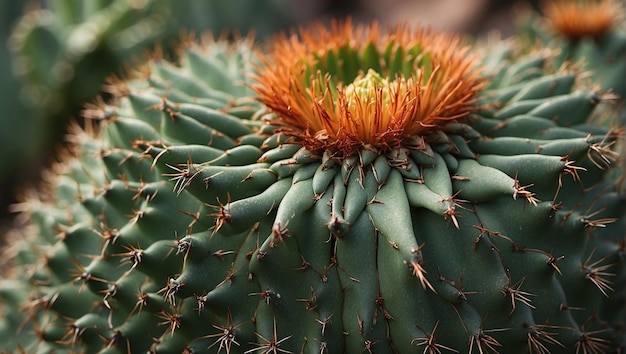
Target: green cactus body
193 221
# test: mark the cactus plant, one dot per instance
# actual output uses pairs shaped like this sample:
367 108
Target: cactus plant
65 50
587 31
62 51
349 189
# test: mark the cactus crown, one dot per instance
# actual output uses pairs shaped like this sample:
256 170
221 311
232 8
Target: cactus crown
353 86
577 19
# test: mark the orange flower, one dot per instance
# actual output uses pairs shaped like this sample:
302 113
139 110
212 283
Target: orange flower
347 86
578 19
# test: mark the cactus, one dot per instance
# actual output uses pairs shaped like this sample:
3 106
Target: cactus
347 190
62 51
587 31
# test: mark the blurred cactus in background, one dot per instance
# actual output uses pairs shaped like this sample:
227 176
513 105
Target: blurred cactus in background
64 51
61 51
590 32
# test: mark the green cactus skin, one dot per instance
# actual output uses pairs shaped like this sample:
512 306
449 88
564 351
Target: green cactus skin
186 224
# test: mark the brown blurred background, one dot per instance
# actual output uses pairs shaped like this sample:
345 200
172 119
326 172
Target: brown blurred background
468 16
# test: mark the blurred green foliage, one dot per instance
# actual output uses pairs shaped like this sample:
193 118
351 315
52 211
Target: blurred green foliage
17 142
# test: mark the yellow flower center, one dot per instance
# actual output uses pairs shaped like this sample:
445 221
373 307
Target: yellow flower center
363 90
